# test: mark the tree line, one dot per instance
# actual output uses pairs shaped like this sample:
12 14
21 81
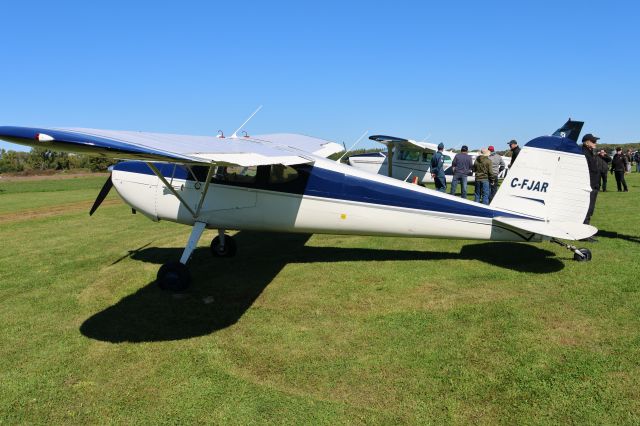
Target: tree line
41 159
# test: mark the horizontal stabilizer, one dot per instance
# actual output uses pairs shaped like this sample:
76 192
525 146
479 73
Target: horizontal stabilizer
563 230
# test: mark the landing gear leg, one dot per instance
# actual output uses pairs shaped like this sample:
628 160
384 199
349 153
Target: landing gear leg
579 254
223 245
175 276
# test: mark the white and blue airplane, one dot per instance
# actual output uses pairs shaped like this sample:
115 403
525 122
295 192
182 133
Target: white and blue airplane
285 183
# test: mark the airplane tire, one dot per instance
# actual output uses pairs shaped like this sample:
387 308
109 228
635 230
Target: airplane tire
173 276
229 247
586 258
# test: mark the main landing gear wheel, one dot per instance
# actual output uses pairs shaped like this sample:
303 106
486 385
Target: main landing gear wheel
228 250
174 276
586 255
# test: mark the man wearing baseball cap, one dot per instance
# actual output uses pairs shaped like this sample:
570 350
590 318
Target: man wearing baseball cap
497 165
515 150
588 145
619 167
437 169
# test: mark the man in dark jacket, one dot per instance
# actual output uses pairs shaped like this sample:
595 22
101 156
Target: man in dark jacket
515 150
437 169
588 145
619 167
461 170
603 166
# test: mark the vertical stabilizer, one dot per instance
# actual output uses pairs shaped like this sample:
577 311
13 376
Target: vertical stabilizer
549 181
570 130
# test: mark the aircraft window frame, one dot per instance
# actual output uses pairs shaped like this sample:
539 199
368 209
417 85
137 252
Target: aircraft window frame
426 157
259 177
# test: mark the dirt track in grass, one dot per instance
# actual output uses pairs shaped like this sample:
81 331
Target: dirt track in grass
52 211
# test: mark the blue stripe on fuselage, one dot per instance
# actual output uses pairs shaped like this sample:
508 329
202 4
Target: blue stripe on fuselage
363 190
331 184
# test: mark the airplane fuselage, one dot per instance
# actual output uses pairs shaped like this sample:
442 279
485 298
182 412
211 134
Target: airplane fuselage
326 197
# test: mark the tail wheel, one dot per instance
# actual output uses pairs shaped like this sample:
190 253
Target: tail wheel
586 255
173 276
229 249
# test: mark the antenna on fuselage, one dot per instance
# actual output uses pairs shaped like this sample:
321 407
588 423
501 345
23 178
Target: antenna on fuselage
234 135
352 146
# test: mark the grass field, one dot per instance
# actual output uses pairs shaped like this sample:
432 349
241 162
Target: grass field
301 329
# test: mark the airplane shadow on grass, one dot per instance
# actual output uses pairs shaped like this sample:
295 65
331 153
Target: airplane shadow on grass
151 314
613 234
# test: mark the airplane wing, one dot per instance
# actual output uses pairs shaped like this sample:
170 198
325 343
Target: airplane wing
287 149
404 143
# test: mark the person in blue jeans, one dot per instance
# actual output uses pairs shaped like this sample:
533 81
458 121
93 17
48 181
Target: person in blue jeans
484 173
437 169
461 169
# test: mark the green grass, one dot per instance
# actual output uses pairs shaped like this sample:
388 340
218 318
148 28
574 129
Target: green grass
35 194
310 329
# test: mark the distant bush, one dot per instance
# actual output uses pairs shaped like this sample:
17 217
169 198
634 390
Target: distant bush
41 160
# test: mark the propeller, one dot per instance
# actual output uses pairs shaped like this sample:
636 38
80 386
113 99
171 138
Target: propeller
102 195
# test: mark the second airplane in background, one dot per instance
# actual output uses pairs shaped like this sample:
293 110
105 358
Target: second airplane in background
410 159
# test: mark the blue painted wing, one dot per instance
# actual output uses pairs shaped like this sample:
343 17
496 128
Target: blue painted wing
243 151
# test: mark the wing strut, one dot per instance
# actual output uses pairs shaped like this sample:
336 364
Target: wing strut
204 191
170 187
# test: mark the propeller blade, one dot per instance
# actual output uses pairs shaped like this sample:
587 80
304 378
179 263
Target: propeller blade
102 195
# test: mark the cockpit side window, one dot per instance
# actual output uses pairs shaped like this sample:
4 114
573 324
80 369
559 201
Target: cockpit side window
409 155
235 174
282 174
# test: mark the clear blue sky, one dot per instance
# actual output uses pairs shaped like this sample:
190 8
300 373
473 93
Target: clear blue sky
472 72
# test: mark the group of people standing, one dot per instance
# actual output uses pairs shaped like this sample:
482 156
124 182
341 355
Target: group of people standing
487 166
619 165
599 166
